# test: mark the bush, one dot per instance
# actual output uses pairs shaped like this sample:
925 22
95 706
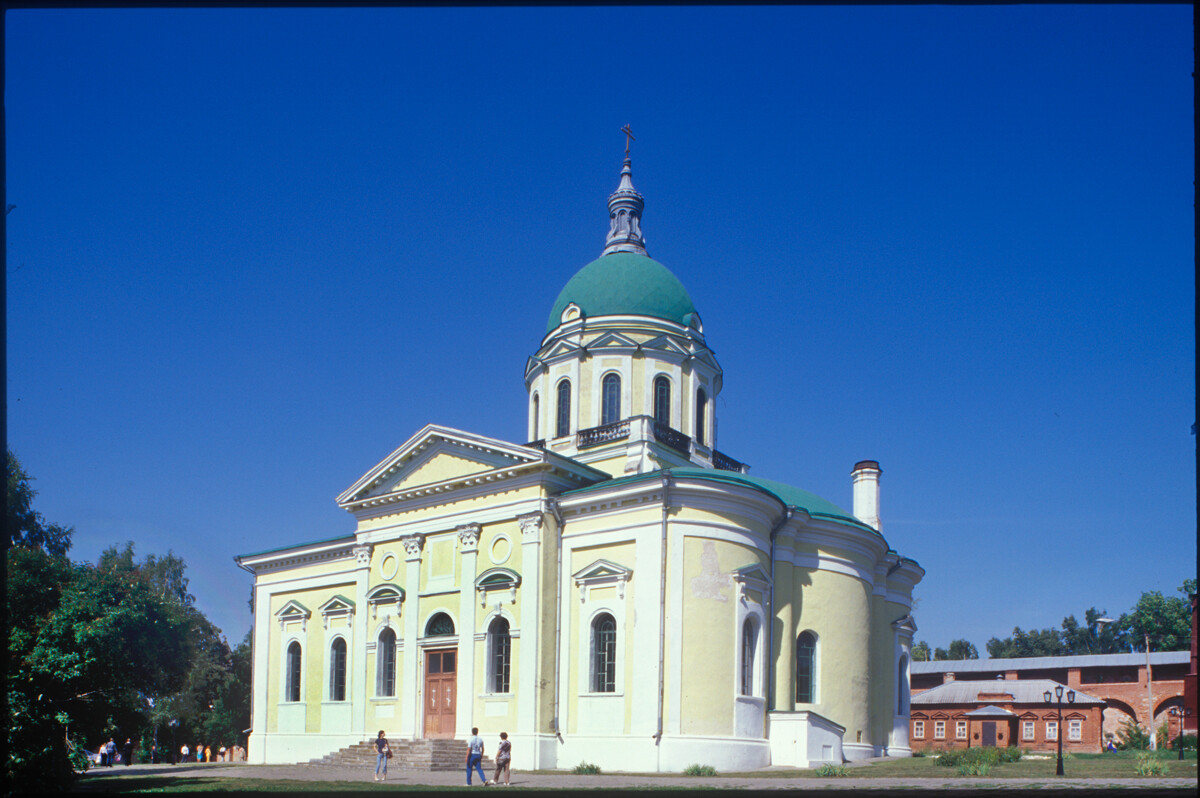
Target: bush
700 770
586 769
1185 741
1132 737
983 755
1149 765
918 753
974 768
1011 754
1162 737
832 770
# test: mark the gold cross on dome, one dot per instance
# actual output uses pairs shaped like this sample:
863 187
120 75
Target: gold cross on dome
628 137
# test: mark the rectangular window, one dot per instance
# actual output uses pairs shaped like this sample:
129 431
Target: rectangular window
939 729
918 729
1027 730
1075 730
960 730
1051 730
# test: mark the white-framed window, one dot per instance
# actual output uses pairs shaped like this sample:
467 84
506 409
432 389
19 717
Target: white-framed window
1075 729
562 421
293 671
610 399
749 655
1051 730
337 669
662 400
499 656
385 663
918 730
536 417
939 730
604 654
806 668
960 730
701 415
1028 730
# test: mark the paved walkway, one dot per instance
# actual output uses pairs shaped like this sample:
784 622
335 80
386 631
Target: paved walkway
566 780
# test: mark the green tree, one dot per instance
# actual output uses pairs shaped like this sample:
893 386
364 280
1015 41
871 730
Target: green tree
962 649
1166 619
26 527
1034 643
921 652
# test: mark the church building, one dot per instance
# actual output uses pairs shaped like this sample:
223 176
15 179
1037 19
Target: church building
616 590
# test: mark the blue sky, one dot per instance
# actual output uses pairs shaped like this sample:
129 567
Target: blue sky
253 251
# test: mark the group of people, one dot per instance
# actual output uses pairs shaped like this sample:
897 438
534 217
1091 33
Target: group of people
205 753
108 752
475 748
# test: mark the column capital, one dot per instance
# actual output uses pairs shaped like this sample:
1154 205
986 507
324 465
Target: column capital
468 535
531 527
412 546
362 555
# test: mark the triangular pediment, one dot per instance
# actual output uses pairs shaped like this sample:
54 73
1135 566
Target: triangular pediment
612 340
752 574
437 456
335 605
560 349
602 570
293 609
705 357
665 343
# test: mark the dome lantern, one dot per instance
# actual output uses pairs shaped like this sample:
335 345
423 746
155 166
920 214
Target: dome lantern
625 211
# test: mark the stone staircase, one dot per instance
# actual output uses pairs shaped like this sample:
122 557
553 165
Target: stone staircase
415 755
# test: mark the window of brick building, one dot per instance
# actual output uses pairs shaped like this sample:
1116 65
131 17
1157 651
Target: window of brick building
918 729
960 730
1027 730
1075 729
939 730
1051 730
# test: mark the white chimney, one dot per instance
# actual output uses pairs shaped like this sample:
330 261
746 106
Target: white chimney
866 492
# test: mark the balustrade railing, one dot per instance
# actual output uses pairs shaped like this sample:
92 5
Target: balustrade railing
594 436
723 462
673 438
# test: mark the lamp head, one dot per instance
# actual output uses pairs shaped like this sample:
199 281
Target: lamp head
1046 696
1070 696
1058 692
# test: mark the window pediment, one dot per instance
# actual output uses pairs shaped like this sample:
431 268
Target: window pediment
750 577
383 596
294 611
498 580
601 573
336 607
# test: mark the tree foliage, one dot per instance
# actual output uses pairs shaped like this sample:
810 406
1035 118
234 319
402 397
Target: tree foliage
920 652
26 527
959 649
110 649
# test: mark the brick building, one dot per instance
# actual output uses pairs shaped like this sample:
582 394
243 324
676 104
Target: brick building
1118 679
998 712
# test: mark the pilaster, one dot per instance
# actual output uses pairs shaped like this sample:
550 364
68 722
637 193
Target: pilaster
528 646
468 538
409 702
358 683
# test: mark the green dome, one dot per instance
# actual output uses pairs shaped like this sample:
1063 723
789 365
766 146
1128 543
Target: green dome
624 283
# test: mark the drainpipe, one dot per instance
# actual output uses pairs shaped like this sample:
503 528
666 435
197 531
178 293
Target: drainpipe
552 505
662 626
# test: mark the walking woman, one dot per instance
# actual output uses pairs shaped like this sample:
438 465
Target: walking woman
382 754
503 760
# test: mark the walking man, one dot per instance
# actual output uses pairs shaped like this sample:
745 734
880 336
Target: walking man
475 757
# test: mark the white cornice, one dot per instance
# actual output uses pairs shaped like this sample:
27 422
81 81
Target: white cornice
299 556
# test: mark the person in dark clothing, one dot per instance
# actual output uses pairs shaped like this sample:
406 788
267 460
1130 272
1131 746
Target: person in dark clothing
382 752
128 752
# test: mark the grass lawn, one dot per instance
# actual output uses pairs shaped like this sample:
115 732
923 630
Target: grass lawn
1119 765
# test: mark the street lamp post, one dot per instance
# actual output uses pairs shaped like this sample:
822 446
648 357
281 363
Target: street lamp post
1058 695
1177 712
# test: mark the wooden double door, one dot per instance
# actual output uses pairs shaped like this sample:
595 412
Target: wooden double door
441 679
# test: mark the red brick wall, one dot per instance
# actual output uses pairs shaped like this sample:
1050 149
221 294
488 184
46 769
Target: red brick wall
1008 732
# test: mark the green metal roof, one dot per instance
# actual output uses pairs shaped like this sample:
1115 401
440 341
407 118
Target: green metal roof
624 283
811 503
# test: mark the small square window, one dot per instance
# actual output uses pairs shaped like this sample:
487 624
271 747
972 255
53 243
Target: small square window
960 730
1051 730
1027 730
939 730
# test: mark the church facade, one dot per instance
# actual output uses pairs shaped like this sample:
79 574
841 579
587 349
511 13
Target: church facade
616 590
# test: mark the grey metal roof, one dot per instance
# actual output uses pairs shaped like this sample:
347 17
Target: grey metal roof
1041 663
990 711
1023 691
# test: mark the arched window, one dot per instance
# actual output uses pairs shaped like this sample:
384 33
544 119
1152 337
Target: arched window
611 404
536 416
749 650
701 408
902 686
499 656
292 688
662 401
563 425
440 624
337 670
385 664
806 654
604 654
